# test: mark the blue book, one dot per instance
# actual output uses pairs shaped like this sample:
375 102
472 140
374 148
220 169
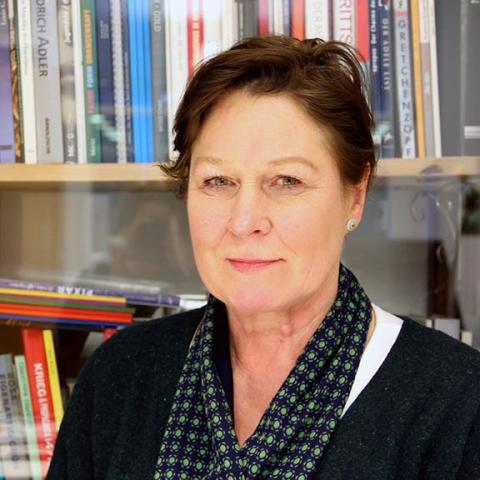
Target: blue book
105 81
386 118
134 77
7 130
148 116
51 321
375 73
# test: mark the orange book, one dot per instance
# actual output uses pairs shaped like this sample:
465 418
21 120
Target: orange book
417 77
363 29
42 403
298 19
195 33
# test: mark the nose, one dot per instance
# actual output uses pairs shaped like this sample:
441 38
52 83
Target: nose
249 213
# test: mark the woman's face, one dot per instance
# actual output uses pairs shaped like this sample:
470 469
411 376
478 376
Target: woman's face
266 205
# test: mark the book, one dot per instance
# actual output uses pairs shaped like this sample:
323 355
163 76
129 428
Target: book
194 34
46 71
90 81
79 81
25 51
42 404
212 27
344 22
106 88
404 80
362 31
263 17
7 132
298 19
29 422
375 73
13 451
137 134
318 19
67 80
53 377
247 18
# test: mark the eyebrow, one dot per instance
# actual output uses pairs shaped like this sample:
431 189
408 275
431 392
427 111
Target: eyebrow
276 162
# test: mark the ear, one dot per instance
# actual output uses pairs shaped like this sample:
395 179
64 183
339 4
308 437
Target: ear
356 197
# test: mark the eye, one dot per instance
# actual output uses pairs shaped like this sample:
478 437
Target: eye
287 181
217 182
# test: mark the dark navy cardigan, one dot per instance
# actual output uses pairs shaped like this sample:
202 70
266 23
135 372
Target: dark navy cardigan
418 418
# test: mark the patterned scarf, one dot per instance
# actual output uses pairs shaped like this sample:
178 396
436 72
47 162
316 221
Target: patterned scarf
200 441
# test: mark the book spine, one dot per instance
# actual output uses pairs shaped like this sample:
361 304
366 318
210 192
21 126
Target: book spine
437 130
177 59
118 80
131 297
24 24
263 17
426 79
362 30
41 394
375 73
147 83
417 77
92 109
344 21
159 80
387 116
7 132
212 27
49 321
317 19
195 34
53 377
127 92
134 77
16 79
469 74
229 26
278 23
298 19
29 422
67 80
105 81
287 21
47 79
13 450
79 84
404 90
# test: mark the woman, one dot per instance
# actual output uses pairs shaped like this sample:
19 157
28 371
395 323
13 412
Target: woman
289 371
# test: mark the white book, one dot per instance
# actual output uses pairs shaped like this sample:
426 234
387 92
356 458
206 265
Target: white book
344 27
229 24
79 79
27 81
212 27
46 70
177 60
437 132
317 19
118 84
278 20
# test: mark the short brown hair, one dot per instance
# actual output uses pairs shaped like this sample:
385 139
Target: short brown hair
325 78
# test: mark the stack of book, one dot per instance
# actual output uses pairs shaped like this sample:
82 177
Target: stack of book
115 70
31 407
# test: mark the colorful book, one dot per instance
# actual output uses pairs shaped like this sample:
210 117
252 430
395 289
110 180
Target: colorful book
194 33
106 88
263 17
362 32
7 132
29 422
46 70
159 80
67 80
13 451
147 83
404 80
53 377
298 18
90 72
42 404
25 50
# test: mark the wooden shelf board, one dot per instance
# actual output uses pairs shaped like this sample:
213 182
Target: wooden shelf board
145 177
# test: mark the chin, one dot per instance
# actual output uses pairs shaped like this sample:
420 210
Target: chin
252 300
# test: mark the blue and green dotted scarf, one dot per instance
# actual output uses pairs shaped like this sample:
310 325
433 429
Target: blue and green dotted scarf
200 441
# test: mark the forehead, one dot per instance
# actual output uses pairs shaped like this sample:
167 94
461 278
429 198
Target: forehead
260 128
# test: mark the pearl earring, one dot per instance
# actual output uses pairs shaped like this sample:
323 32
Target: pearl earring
351 225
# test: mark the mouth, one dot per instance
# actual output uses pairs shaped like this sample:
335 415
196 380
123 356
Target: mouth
251 264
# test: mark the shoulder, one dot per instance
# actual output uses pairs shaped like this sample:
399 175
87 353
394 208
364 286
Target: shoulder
162 339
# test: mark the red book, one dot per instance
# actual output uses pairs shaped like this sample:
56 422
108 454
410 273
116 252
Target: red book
263 17
298 19
363 30
195 34
41 394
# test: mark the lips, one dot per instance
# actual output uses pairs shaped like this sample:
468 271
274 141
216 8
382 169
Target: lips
251 264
